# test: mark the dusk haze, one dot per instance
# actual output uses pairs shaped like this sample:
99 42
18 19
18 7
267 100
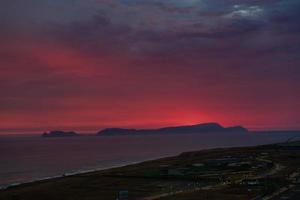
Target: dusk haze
93 64
149 99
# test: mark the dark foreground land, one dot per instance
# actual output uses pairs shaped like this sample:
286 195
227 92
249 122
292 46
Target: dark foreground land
262 172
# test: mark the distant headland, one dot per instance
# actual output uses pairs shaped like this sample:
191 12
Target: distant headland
197 128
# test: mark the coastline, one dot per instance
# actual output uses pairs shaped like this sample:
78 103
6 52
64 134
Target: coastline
100 169
79 172
96 169
188 175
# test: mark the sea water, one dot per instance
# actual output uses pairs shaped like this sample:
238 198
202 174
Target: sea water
30 157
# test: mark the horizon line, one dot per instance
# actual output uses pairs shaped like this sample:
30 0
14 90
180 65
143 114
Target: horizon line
93 129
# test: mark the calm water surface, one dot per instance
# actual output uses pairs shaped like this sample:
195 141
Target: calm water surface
27 158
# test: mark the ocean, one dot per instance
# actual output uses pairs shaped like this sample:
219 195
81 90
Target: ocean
28 158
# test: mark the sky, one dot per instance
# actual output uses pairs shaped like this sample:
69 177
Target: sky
86 65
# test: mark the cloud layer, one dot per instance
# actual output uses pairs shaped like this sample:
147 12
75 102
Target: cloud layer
98 63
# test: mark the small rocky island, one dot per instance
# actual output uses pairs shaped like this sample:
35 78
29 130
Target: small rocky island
60 134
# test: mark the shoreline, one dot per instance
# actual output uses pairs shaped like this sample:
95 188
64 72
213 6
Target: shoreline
99 169
80 172
188 175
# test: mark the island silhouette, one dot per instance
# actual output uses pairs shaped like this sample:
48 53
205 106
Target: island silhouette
60 134
197 128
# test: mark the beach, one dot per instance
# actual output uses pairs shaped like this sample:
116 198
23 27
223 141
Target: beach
147 180
30 158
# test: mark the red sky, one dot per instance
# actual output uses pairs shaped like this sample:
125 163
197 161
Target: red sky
145 64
